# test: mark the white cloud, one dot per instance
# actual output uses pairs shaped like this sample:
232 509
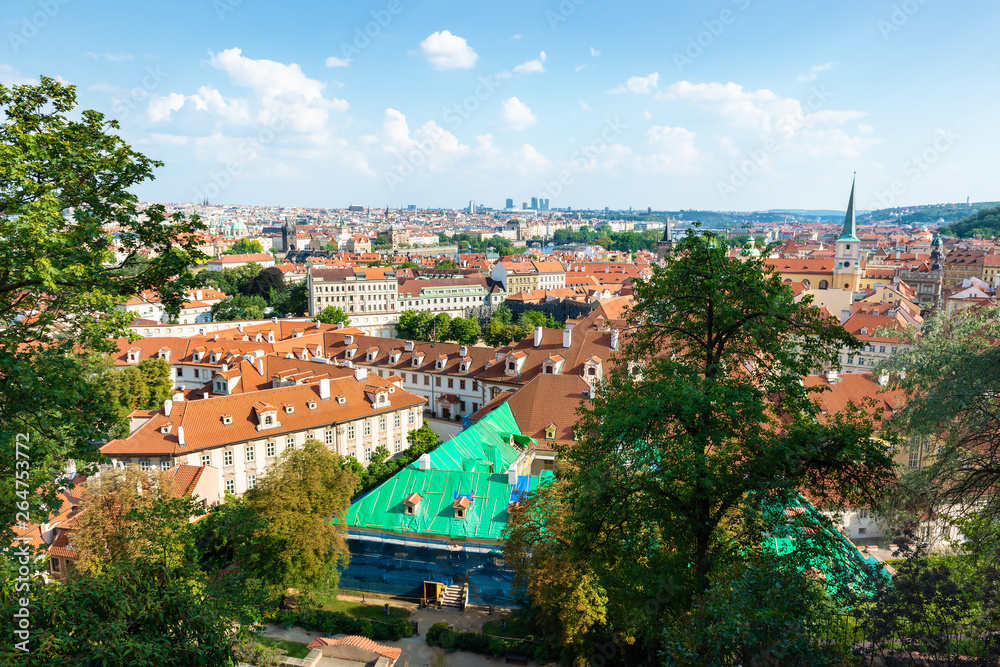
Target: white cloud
640 85
111 57
444 50
11 77
594 52
647 115
814 72
532 66
161 106
485 147
584 106
334 61
579 67
516 115
431 144
517 36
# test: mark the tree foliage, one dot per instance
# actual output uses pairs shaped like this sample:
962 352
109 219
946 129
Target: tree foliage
262 284
231 279
333 315
464 331
985 221
303 502
703 423
75 243
239 307
141 387
245 247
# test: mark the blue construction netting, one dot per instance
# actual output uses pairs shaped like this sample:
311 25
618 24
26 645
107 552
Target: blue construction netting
389 568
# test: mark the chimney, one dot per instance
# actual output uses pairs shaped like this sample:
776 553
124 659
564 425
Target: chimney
349 339
424 462
538 336
360 374
340 325
225 367
216 338
180 436
239 327
408 346
512 476
204 394
832 377
274 320
324 389
178 397
567 338
614 339
168 405
197 295
463 351
260 365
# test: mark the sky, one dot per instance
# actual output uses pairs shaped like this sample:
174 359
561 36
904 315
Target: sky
721 105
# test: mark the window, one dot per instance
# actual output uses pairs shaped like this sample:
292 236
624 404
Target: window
290 442
915 458
227 457
180 372
143 465
824 284
329 437
437 382
368 427
427 380
268 420
381 424
461 384
893 349
862 530
881 348
451 383
850 360
55 564
411 417
396 420
399 446
251 452
368 454
251 481
350 432
863 513
230 486
269 449
164 465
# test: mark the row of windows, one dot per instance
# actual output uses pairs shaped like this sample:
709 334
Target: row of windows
363 287
437 382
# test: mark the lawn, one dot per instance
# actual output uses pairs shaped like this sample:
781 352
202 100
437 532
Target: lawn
375 612
516 627
291 649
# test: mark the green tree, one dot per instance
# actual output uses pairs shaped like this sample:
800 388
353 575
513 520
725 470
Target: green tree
67 180
245 247
295 302
239 307
333 315
141 387
949 381
465 331
528 320
303 501
441 328
231 279
703 424
446 264
264 282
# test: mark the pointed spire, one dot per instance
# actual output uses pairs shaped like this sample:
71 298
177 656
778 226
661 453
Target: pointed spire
850 232
668 237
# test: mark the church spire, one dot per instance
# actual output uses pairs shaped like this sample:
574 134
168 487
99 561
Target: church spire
850 232
668 238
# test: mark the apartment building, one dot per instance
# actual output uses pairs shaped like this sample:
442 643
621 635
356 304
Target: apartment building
871 330
454 294
521 276
242 434
369 296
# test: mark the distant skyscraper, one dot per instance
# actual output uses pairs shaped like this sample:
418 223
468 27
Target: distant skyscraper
510 203
411 207
524 206
472 206
534 203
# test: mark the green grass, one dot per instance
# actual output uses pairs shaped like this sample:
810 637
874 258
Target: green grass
291 649
516 627
374 612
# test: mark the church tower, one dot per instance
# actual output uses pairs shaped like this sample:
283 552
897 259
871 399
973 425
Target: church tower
847 256
666 243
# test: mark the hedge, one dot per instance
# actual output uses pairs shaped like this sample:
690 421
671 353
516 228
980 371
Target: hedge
335 623
441 635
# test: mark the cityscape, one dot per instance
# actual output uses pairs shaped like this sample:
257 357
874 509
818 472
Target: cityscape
573 334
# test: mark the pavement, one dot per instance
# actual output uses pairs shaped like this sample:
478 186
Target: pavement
416 652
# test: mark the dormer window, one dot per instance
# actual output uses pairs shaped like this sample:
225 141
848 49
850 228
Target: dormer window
350 352
289 408
441 361
227 419
418 360
312 405
394 356
165 429
133 355
550 432
341 400
164 353
463 367
461 506
382 398
410 504
372 353
220 385
864 331
214 358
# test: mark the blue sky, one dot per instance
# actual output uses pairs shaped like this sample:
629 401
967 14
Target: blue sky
730 104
